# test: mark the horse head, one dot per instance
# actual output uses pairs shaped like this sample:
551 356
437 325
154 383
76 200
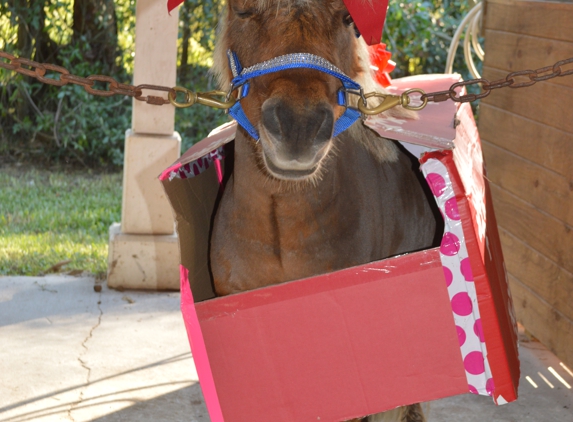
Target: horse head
295 110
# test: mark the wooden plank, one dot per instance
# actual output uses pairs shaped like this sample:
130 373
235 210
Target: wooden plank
537 18
515 52
543 189
536 142
552 328
543 102
542 276
547 235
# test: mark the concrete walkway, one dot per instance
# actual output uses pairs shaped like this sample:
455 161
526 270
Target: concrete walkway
69 353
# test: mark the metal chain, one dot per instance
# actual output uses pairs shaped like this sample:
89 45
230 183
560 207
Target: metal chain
113 87
38 71
534 76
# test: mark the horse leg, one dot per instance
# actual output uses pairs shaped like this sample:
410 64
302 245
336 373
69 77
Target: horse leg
413 413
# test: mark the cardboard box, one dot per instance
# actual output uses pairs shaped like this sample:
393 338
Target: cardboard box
354 342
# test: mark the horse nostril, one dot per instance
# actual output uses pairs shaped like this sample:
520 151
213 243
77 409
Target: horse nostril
298 129
274 116
326 127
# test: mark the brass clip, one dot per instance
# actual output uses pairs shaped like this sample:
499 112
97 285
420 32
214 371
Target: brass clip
405 99
204 98
390 101
207 98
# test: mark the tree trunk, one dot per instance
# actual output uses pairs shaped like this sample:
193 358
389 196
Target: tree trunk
184 68
24 43
95 30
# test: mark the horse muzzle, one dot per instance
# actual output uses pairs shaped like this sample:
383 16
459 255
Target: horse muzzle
294 140
242 77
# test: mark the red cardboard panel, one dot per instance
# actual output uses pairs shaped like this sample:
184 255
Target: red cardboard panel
332 347
466 167
357 341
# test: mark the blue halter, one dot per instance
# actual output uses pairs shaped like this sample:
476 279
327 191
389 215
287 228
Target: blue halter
241 78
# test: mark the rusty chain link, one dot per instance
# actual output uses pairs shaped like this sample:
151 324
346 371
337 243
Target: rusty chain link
38 71
534 76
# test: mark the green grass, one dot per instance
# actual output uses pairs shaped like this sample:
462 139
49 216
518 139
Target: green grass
50 217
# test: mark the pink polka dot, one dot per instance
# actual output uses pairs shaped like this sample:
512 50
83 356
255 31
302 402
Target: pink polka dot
466 269
489 386
473 390
448 275
437 183
473 363
462 304
450 244
451 207
478 330
461 335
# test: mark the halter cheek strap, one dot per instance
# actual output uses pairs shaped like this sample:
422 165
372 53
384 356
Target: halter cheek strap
241 78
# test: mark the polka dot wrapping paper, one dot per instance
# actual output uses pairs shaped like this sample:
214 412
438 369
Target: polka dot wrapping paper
460 281
472 260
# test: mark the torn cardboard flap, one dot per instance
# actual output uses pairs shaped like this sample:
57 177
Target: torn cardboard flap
433 130
209 148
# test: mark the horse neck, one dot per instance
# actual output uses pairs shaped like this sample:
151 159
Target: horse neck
252 186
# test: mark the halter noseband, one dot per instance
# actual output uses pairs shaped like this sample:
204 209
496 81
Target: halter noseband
241 78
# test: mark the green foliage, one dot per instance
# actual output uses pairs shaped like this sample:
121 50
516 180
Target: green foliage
194 123
50 217
45 124
201 17
419 33
198 21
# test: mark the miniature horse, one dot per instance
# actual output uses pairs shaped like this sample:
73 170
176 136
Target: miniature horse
301 202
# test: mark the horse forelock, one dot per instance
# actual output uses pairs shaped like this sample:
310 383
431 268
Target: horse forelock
264 4
221 66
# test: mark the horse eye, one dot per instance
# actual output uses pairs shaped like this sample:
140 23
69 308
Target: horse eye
244 14
348 21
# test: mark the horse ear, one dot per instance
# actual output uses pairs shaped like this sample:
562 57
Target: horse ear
368 17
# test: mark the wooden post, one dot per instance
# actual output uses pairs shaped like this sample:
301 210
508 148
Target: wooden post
143 249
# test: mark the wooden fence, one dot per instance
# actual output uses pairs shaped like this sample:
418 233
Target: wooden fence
527 138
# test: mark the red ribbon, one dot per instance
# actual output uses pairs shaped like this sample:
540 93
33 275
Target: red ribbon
381 63
172 4
369 17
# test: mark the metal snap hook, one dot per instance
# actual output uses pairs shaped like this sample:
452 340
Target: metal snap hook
405 99
190 97
389 101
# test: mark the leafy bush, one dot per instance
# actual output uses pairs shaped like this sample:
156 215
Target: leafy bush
68 126
45 124
419 33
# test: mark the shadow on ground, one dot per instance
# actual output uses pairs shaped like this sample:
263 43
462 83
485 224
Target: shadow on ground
185 404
